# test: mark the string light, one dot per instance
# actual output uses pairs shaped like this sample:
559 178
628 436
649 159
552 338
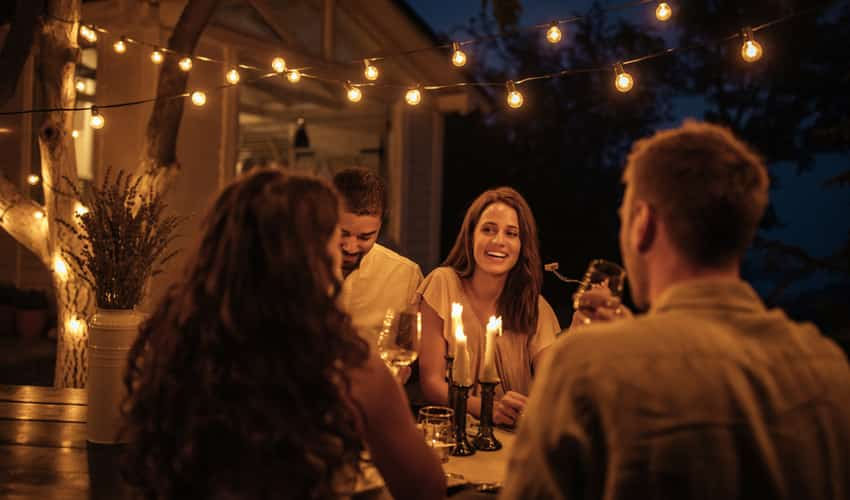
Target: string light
120 46
60 268
371 71
514 97
185 63
89 33
80 209
33 179
553 34
75 326
458 56
232 76
294 76
80 85
413 96
279 64
623 81
751 51
157 57
96 121
199 98
354 93
663 11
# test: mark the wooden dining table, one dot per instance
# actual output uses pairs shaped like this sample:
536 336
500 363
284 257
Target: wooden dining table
44 453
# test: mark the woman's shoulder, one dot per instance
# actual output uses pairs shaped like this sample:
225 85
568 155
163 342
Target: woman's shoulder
443 277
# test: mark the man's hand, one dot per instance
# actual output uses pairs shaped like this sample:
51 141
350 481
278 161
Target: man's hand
598 305
507 410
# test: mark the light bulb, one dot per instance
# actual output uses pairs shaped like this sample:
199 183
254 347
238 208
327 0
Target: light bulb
354 93
553 34
232 76
458 56
185 63
60 268
413 96
199 98
33 179
514 97
370 72
279 64
80 85
96 121
156 56
85 32
80 209
623 81
39 215
751 51
294 76
75 133
120 46
663 11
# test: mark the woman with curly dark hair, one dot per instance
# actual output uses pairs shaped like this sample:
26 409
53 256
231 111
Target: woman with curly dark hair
247 381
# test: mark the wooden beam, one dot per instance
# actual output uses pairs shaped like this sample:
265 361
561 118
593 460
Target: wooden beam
328 11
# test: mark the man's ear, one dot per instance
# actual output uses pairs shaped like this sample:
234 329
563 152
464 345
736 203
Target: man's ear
644 226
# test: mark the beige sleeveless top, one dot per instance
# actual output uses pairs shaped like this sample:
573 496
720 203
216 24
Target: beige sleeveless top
514 351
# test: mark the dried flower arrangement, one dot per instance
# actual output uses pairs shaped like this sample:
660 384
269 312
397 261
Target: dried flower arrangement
124 237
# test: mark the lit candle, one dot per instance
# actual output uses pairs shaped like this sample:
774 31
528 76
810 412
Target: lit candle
488 369
462 372
457 321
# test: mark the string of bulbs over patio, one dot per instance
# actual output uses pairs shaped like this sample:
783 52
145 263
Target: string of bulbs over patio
751 51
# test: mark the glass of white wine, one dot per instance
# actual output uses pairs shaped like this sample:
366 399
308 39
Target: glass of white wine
603 278
399 337
436 423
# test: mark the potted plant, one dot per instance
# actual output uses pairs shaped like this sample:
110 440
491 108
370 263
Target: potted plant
31 314
8 296
124 240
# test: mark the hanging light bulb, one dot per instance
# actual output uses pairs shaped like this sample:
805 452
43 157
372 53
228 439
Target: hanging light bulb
120 46
156 56
294 76
33 179
89 33
622 81
371 71
514 97
199 98
751 51
458 56
185 63
354 93
413 96
663 11
553 34
279 64
80 85
232 76
96 121
85 32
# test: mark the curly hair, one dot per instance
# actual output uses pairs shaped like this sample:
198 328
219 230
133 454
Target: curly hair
237 383
518 301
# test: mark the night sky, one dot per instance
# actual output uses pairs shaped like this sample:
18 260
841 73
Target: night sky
813 217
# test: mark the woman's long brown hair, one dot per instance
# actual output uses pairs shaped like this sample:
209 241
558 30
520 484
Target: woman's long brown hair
518 300
235 380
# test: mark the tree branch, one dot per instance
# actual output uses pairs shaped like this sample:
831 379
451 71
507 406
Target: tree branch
17 217
159 163
18 45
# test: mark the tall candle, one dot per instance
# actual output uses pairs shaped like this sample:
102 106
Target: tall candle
457 320
488 369
462 371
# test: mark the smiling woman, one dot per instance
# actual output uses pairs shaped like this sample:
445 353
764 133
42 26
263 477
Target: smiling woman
493 270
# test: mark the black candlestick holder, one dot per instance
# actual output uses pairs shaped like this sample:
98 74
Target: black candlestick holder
462 448
485 440
449 363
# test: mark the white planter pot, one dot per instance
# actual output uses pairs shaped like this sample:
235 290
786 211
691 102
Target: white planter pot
111 333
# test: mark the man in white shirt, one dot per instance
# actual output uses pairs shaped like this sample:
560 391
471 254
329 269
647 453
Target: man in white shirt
376 278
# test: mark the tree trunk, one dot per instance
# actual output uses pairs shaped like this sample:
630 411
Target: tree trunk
58 53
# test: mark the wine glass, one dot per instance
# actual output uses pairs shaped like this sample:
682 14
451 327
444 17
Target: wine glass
398 339
602 278
436 423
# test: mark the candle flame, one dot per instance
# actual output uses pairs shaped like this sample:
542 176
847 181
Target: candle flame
457 310
499 326
459 333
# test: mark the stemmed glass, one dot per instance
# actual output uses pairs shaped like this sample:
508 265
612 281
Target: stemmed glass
436 424
602 278
399 337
